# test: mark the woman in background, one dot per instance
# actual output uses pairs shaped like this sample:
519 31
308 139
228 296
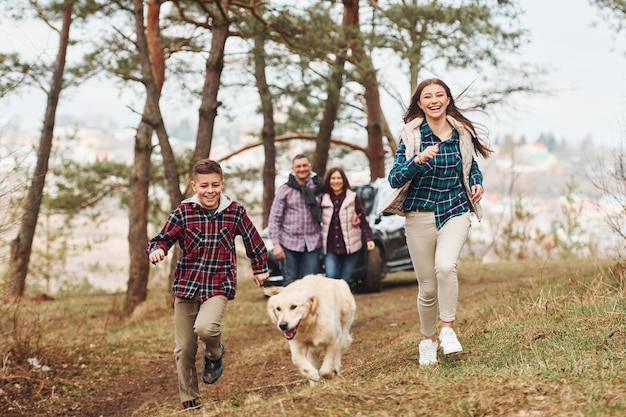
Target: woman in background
344 226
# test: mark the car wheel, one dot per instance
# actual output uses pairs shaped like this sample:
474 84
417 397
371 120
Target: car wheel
374 273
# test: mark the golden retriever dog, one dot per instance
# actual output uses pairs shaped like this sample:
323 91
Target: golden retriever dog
314 314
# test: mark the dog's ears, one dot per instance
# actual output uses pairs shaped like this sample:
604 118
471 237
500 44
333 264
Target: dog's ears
313 302
272 313
269 291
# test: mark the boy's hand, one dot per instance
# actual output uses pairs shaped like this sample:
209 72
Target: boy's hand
157 256
261 278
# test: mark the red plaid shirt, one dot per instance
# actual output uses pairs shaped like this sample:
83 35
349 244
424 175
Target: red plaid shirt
208 265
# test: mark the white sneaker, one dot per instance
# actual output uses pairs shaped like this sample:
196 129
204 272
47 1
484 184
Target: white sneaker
428 352
449 342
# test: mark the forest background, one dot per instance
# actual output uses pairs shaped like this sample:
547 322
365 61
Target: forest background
316 70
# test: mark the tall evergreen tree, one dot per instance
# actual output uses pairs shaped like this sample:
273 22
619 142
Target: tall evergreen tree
21 246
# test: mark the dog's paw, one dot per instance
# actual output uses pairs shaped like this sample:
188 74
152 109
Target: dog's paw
311 374
329 373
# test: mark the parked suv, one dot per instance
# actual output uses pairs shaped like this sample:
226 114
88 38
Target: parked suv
389 255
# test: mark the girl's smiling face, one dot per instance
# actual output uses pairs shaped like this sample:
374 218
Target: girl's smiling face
433 101
208 187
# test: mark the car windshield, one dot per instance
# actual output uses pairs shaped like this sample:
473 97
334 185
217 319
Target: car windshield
368 195
373 195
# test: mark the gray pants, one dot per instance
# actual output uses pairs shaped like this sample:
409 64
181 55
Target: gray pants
435 254
193 320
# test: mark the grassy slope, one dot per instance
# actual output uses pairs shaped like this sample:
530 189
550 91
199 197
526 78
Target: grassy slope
540 339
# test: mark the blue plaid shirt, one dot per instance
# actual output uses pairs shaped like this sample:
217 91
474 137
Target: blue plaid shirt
437 184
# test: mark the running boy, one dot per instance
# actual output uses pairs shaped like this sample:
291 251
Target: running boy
205 226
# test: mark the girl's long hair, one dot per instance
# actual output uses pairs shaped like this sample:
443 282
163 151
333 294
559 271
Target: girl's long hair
478 132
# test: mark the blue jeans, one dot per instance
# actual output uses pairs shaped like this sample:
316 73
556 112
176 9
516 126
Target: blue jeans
341 266
299 264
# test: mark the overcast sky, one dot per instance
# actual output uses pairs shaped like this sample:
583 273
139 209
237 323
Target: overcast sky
587 72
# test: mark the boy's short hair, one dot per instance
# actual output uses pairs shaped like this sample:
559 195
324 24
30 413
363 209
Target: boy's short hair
206 166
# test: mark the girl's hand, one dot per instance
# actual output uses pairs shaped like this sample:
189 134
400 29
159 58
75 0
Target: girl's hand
156 256
426 155
477 193
371 245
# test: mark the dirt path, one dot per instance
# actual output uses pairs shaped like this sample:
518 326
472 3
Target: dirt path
263 373
258 362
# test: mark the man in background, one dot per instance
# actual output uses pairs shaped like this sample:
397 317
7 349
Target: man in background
294 222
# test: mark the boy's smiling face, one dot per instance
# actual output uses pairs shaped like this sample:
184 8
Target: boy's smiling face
208 187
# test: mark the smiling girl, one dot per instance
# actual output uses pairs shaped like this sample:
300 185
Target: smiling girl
435 158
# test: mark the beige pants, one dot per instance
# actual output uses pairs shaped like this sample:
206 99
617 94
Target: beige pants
435 254
193 320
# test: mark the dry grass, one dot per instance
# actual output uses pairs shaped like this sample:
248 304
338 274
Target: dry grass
540 339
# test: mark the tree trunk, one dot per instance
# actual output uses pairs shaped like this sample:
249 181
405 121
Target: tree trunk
268 133
327 124
375 154
335 83
21 247
136 291
214 66
152 74
157 64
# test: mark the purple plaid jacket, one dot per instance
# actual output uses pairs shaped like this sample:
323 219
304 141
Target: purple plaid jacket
291 223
